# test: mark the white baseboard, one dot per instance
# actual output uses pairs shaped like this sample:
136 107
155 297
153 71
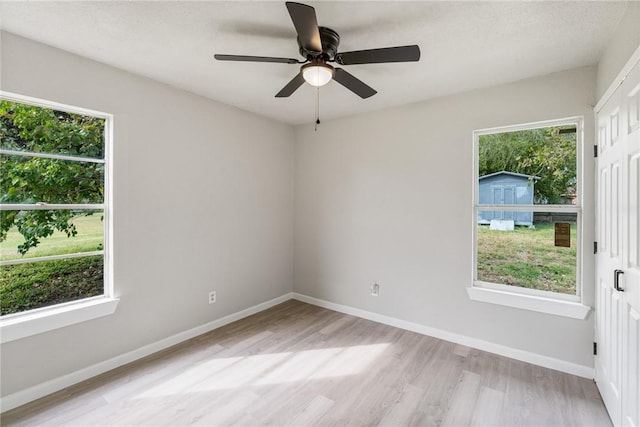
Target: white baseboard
525 356
28 395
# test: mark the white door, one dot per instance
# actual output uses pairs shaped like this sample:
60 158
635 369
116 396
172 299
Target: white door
631 252
608 259
618 258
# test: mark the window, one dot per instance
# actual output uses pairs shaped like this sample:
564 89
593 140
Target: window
527 216
54 227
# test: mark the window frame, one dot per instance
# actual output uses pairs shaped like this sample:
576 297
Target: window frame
23 324
519 297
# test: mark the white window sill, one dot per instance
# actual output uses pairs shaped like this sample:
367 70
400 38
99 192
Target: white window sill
17 326
574 310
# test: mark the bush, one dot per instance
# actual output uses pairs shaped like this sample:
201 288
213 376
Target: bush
33 285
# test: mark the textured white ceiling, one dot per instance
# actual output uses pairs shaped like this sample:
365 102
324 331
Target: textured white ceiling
465 45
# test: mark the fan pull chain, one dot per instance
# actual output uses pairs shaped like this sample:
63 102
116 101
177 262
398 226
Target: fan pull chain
317 108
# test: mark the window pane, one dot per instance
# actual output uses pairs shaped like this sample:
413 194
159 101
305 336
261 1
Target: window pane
541 257
43 130
35 179
534 166
39 284
40 233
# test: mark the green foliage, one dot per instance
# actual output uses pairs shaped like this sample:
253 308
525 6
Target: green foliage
31 180
90 237
33 285
42 130
546 153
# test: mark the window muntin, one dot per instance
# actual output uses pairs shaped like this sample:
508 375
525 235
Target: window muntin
53 204
527 179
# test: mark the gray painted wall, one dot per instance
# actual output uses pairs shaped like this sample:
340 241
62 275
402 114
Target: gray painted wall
371 206
620 48
202 201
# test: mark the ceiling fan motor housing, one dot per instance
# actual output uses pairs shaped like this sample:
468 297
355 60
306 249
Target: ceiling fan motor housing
330 41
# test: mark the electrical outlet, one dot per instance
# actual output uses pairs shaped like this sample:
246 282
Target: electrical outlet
212 297
375 289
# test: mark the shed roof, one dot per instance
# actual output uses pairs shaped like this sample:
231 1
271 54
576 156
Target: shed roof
520 175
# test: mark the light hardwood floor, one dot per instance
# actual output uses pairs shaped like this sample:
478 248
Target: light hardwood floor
300 365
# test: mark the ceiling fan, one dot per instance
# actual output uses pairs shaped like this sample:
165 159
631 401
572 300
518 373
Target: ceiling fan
319 47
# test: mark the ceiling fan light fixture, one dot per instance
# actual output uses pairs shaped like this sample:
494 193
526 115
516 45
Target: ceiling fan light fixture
317 73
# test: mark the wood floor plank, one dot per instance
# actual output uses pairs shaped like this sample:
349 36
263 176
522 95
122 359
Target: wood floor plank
399 414
463 401
310 414
488 407
300 365
440 376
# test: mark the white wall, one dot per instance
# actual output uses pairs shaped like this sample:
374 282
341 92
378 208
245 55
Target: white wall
202 201
386 197
619 49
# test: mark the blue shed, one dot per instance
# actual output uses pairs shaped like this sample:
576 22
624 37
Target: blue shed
506 188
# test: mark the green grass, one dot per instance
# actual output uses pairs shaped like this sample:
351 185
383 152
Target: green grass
39 284
33 285
527 257
89 238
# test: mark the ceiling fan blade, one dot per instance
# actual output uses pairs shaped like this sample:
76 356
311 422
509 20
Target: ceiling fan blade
353 84
255 59
377 56
304 19
291 87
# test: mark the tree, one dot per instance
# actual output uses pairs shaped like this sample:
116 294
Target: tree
30 180
548 153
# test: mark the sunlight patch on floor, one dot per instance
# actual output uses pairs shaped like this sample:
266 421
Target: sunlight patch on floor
269 369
